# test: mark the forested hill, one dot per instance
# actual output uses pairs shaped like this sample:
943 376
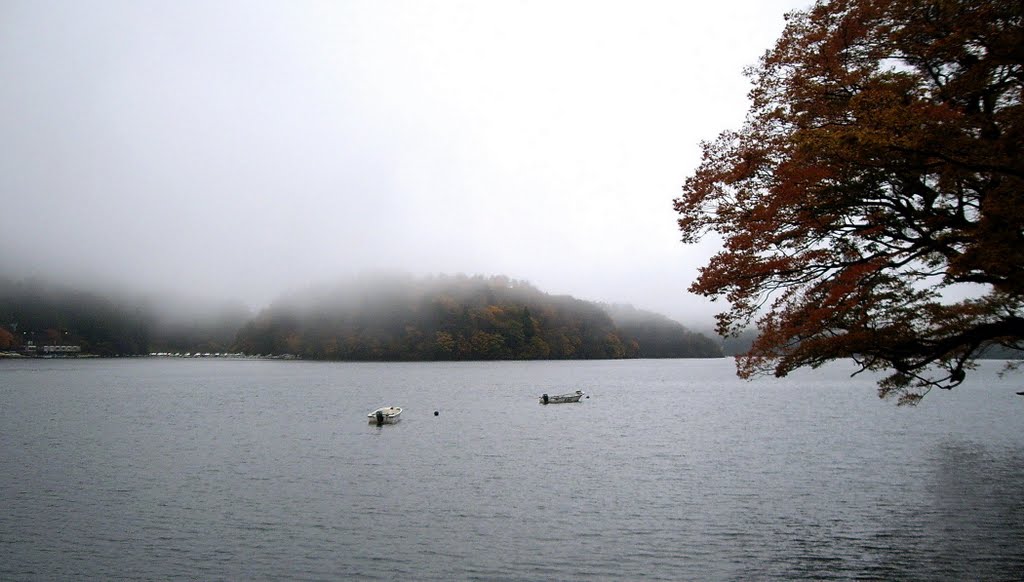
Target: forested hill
661 337
41 313
369 319
457 318
112 323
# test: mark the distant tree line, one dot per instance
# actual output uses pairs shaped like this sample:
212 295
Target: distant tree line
395 318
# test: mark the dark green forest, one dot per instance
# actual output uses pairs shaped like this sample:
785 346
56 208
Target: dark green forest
393 318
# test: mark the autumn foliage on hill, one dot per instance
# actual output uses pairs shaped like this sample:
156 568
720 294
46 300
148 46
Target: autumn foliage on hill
7 339
871 205
458 318
369 319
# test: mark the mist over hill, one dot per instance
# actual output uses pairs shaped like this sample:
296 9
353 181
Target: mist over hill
368 318
111 323
397 317
661 337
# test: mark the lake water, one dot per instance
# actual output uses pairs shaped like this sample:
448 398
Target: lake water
671 470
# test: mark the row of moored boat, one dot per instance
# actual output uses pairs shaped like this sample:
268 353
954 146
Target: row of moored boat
393 414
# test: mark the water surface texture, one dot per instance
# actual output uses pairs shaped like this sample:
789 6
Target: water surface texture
671 470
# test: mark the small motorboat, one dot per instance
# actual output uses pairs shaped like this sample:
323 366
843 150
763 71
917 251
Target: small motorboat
385 415
561 398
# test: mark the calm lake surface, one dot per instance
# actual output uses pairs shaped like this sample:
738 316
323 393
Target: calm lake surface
671 470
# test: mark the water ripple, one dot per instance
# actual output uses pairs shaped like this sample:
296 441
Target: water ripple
156 470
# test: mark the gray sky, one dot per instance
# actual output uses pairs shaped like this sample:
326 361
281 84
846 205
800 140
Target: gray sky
242 149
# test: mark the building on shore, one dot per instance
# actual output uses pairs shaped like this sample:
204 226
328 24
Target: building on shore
61 350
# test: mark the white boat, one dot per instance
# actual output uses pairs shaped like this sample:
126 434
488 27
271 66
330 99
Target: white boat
561 398
385 415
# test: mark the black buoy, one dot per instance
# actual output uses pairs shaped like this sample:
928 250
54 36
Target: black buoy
380 418
545 398
436 413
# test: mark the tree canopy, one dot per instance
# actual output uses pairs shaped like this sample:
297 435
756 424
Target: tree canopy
871 204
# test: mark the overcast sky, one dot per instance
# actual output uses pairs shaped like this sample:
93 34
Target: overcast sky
243 149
